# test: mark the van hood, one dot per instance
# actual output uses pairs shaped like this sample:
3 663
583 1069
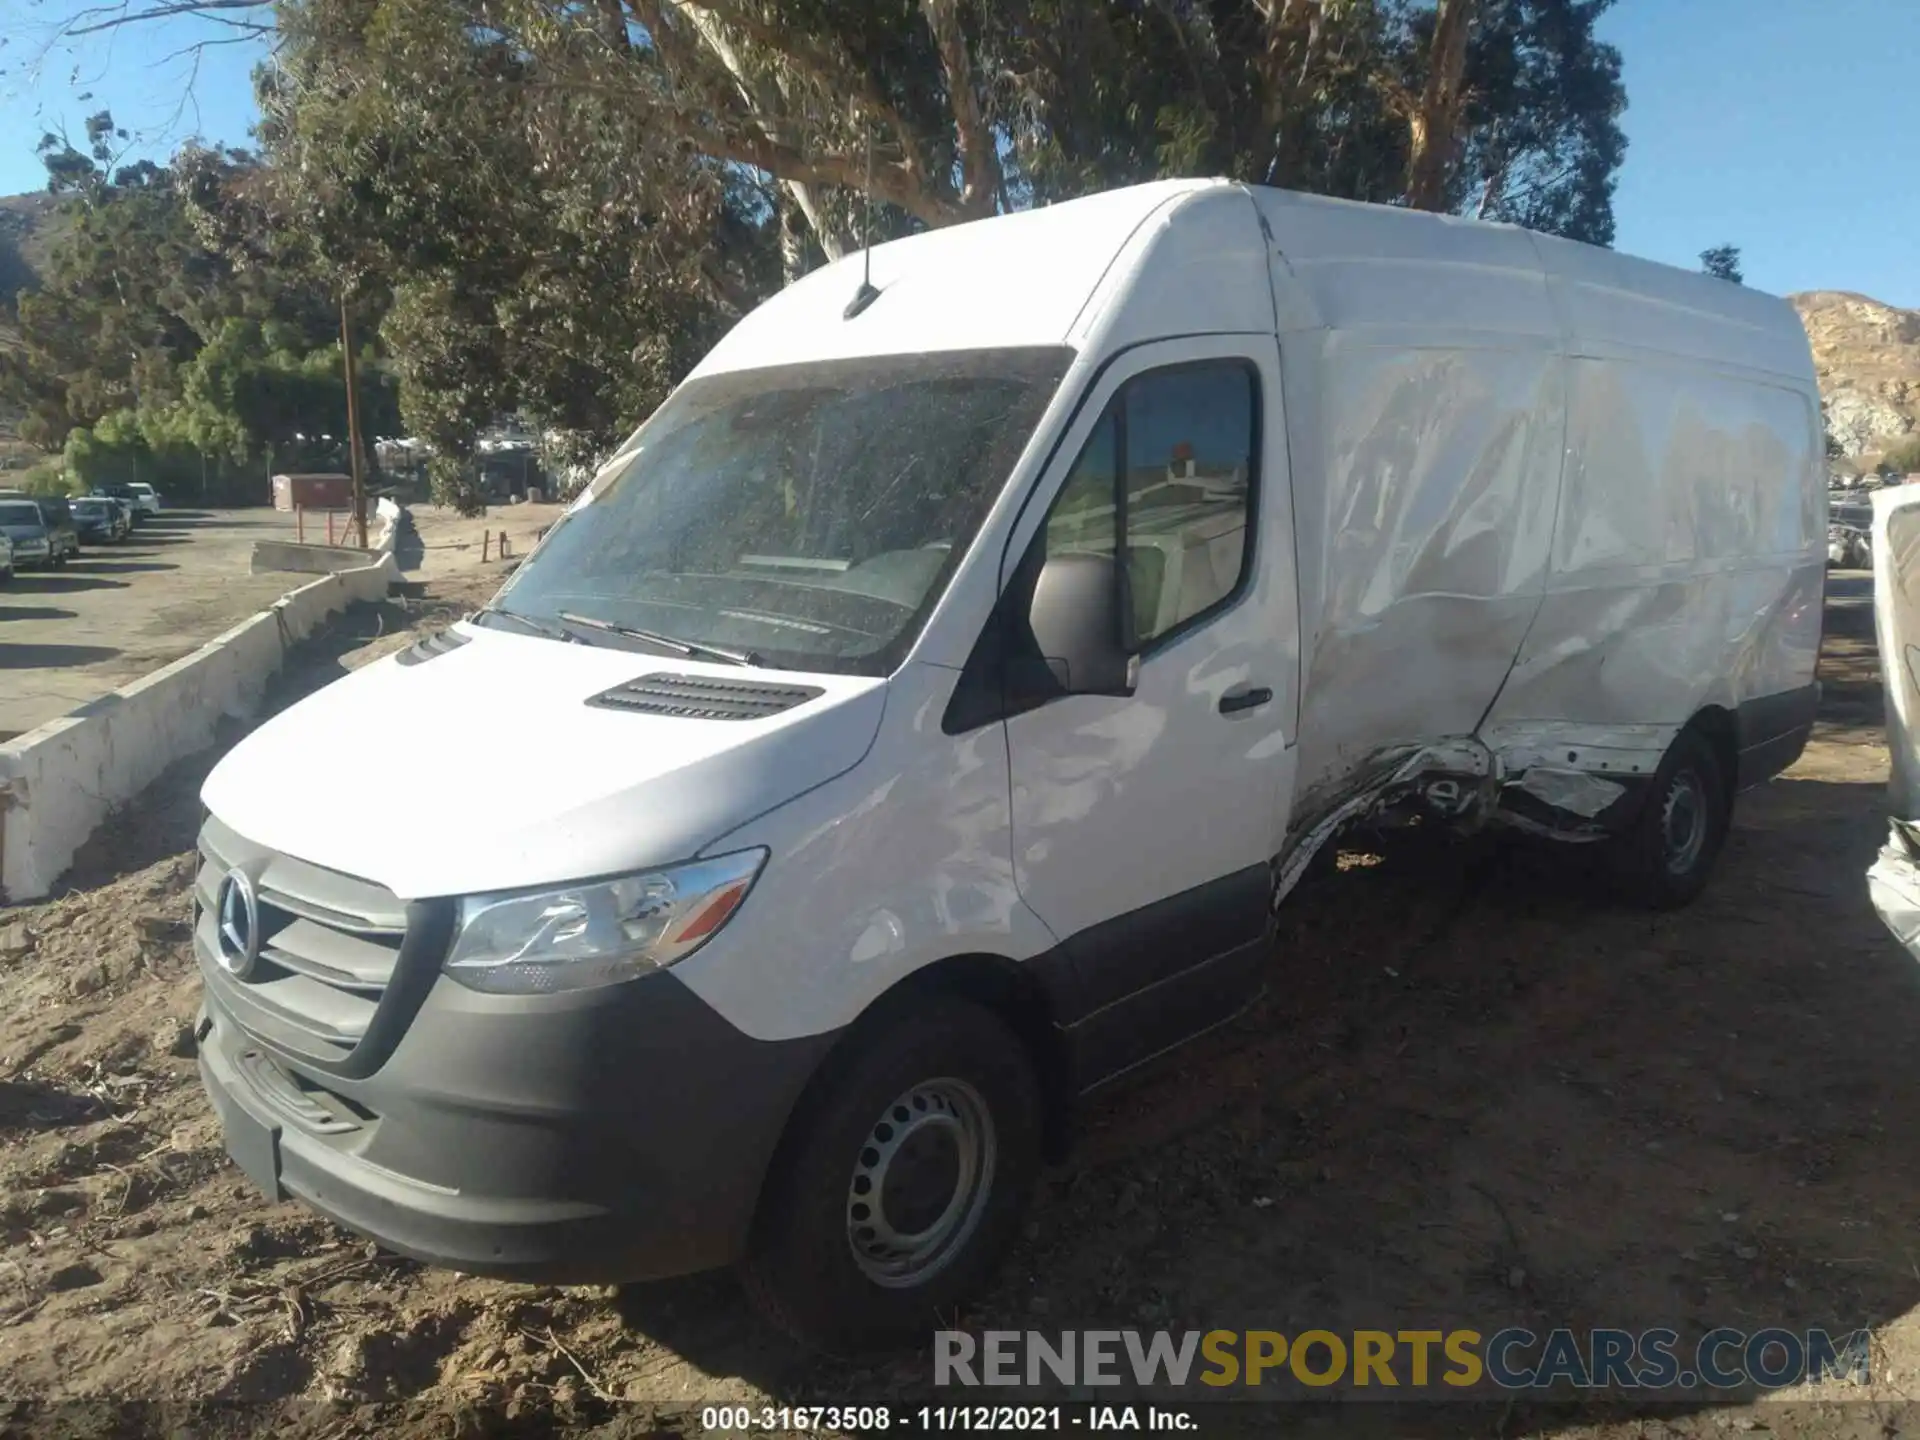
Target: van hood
483 767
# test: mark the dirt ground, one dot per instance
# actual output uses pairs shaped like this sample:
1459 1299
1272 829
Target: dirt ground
447 544
1475 1094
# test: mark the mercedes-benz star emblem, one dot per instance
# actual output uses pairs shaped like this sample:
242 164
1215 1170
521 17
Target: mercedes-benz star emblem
239 923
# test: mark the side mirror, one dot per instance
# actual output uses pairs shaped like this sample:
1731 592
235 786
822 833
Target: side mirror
1078 615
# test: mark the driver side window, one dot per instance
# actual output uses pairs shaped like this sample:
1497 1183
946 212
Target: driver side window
1170 474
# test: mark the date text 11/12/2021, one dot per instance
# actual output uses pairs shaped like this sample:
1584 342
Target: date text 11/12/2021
939 1419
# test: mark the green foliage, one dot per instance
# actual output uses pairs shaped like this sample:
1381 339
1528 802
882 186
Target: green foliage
544 254
49 477
180 334
456 482
1723 263
555 210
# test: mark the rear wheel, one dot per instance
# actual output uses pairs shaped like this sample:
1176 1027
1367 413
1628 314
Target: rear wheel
1665 859
902 1182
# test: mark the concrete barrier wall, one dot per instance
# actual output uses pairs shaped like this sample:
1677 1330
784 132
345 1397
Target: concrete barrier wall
57 783
271 555
304 559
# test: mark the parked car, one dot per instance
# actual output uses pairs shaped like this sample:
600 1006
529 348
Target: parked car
33 539
126 496
100 520
993 648
129 511
57 511
145 497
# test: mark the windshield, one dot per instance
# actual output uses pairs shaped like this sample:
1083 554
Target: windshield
808 515
19 512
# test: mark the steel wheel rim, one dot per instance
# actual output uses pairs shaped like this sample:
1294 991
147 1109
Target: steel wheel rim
1683 822
937 1137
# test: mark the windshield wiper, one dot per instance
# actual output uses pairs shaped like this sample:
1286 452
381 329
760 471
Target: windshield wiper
539 627
688 648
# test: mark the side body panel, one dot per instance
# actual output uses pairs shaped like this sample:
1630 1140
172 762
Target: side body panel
1688 558
1426 394
900 862
1553 503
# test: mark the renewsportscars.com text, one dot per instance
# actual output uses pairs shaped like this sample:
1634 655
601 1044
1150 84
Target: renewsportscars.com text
1440 1361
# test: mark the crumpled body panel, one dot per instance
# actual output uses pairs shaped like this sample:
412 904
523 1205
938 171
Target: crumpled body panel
1435 530
1552 504
1686 566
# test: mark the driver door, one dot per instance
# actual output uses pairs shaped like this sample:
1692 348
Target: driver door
1144 825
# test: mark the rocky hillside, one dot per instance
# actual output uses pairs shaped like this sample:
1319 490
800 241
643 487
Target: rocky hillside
1868 356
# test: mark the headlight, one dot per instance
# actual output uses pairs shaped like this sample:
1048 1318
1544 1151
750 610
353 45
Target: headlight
599 933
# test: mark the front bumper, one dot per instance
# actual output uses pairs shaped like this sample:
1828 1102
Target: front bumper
594 1138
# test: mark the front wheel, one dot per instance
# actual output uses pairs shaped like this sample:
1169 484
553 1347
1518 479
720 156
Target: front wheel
902 1182
1664 860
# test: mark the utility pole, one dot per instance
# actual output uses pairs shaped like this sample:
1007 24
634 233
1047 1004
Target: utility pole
353 427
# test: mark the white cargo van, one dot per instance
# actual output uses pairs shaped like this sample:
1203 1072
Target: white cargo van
936 696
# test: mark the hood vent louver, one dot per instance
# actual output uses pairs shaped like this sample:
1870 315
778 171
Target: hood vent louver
438 644
693 697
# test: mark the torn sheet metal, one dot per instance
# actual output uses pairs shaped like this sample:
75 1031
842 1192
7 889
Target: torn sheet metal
1893 883
1573 791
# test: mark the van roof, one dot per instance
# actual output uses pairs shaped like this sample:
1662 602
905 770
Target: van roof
1027 279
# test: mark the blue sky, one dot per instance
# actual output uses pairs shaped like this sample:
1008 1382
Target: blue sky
1780 126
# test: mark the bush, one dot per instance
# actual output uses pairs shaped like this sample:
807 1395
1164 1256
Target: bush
1903 456
457 484
49 477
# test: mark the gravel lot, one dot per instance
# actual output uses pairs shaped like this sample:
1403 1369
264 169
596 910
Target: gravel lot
120 611
1476 1094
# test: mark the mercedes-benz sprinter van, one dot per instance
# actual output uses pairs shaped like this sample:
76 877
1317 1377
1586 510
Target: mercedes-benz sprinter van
938 693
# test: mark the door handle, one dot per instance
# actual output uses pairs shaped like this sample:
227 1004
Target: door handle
1244 697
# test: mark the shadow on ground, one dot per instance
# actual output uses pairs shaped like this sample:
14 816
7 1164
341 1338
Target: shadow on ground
16 656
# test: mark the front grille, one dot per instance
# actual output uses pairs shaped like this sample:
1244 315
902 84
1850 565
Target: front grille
689 697
329 946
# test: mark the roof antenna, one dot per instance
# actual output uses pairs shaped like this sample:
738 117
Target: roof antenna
866 294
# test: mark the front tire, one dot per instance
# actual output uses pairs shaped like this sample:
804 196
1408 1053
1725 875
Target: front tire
901 1182
1663 862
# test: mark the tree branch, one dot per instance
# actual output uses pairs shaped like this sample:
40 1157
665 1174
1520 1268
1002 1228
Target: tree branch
828 66
979 161
126 16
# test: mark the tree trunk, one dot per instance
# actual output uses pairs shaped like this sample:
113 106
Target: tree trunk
353 426
1434 125
793 239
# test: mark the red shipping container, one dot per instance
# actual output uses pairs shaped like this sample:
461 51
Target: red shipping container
313 492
